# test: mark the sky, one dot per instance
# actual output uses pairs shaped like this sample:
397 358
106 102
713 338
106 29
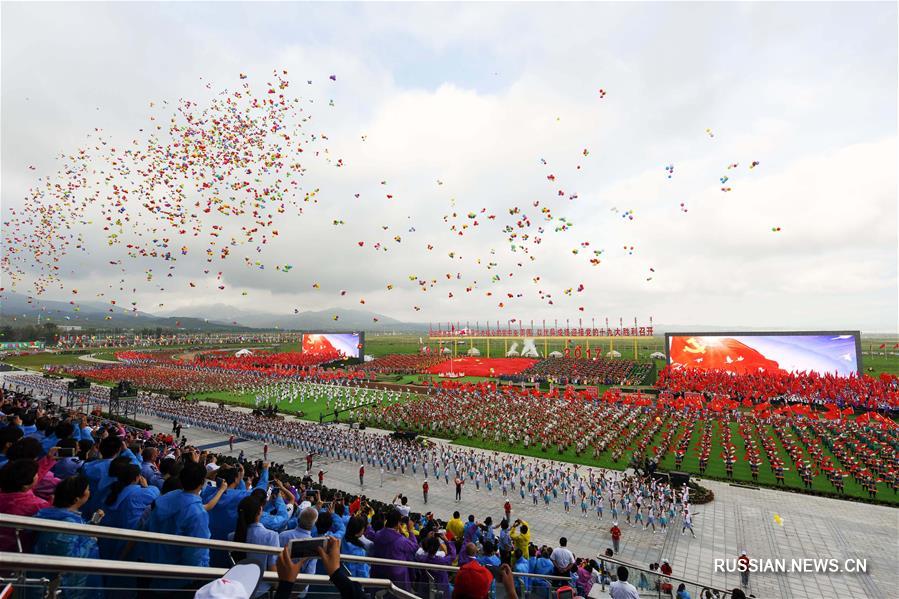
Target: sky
456 107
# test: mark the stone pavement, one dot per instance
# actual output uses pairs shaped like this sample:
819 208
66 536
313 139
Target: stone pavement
91 358
738 519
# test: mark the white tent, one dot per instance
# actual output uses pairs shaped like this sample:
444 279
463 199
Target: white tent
529 350
243 352
555 354
446 350
512 353
368 358
613 354
473 352
657 355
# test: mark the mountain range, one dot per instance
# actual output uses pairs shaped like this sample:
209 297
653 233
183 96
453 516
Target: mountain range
18 309
347 320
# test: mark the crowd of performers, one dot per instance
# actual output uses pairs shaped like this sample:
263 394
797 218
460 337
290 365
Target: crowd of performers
164 373
336 395
620 426
78 340
576 371
864 392
800 429
607 495
129 478
793 444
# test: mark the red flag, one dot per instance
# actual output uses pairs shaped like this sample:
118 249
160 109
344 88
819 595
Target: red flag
883 346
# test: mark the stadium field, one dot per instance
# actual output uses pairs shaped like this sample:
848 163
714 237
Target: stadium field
38 361
874 360
690 464
414 379
311 409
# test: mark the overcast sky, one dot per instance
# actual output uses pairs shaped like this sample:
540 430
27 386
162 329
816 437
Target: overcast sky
475 95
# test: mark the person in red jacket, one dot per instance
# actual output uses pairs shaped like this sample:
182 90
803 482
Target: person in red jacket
743 566
616 536
507 509
666 568
361 475
424 490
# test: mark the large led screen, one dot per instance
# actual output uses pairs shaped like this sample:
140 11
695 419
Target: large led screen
348 344
834 353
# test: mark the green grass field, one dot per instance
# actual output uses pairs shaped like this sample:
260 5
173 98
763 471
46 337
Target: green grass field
414 379
690 464
38 361
874 364
381 345
311 410
874 361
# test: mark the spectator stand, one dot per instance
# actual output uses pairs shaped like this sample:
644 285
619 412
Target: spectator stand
24 563
649 580
583 371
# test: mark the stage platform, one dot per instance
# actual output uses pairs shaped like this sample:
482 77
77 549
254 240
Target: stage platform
472 366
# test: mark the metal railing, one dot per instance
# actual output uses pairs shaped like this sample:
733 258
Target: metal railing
93 530
658 576
56 563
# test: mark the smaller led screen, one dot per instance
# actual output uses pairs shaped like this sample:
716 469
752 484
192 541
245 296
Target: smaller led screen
349 345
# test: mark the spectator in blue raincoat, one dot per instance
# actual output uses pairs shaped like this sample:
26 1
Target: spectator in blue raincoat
97 472
125 506
274 512
223 516
180 512
355 543
69 465
149 470
70 496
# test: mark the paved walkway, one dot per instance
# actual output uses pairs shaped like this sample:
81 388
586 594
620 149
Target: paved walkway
738 519
91 358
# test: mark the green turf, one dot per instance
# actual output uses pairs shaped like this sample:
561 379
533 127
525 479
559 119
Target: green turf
878 362
382 345
311 409
39 360
414 379
690 464
288 347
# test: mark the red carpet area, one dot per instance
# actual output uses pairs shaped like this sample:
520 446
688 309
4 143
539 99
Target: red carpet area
483 366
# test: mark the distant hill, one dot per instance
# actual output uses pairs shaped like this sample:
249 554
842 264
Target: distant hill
17 309
347 320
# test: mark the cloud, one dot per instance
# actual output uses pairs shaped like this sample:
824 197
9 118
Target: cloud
475 96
